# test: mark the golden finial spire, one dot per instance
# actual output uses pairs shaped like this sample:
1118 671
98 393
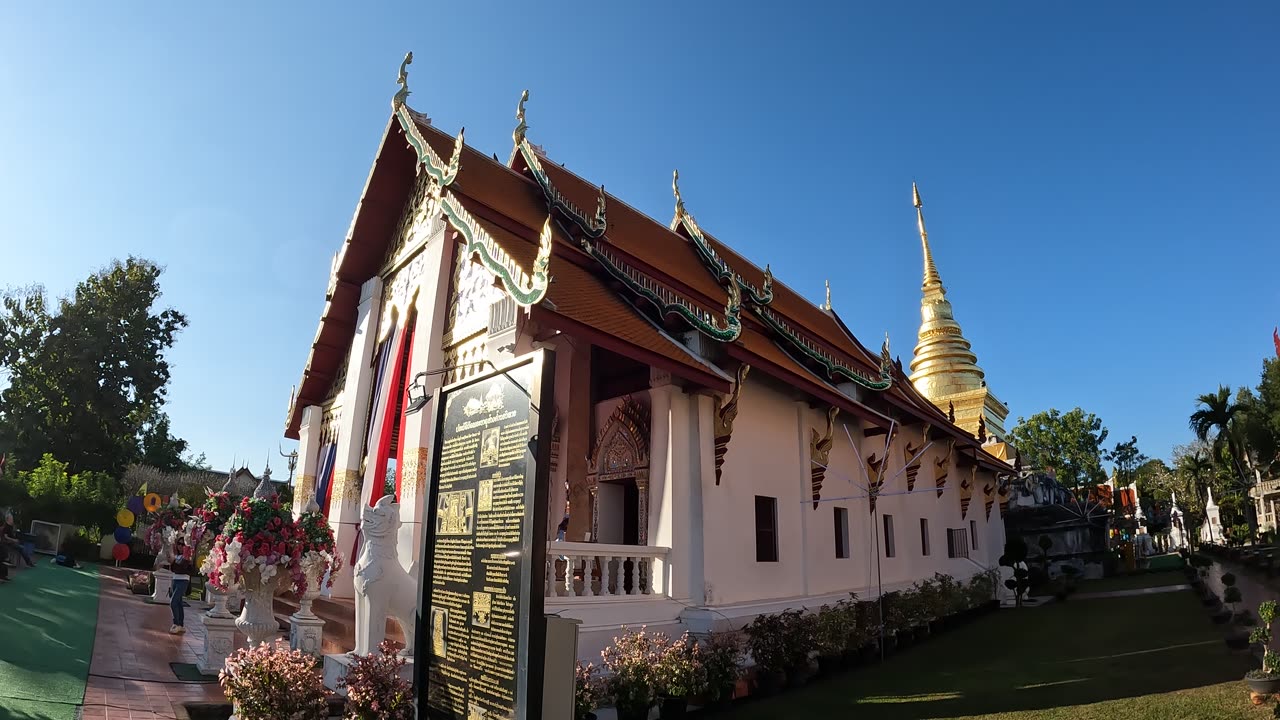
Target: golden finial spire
827 306
675 188
521 125
403 80
931 276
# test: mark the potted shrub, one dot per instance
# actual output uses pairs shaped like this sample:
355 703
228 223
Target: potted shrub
587 691
835 626
633 661
1015 558
375 689
1265 680
767 644
271 681
680 676
722 666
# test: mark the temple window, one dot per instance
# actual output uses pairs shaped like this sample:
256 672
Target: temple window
889 549
957 543
766 529
842 532
973 533
924 536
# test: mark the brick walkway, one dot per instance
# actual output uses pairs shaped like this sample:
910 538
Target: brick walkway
129 676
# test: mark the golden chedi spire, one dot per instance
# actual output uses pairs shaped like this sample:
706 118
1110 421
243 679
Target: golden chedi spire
944 368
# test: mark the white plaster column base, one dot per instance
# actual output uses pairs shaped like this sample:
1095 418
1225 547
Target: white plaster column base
164 581
219 643
336 667
306 633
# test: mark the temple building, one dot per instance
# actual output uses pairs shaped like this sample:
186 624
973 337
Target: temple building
945 369
723 447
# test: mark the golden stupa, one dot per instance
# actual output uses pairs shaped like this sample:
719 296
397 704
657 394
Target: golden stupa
945 369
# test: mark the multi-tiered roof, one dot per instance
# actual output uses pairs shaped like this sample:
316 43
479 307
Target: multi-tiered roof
585 263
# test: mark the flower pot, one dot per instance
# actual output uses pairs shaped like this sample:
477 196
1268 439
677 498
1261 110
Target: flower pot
633 713
219 600
1264 685
257 621
769 682
830 664
673 707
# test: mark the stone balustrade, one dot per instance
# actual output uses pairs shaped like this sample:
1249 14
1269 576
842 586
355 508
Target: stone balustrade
594 570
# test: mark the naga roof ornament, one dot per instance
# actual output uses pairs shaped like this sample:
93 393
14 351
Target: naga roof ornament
593 226
525 287
403 94
711 259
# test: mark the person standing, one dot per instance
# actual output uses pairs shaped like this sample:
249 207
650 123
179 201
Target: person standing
9 535
182 569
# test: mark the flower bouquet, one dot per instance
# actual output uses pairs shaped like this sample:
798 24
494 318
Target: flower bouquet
319 549
260 537
166 518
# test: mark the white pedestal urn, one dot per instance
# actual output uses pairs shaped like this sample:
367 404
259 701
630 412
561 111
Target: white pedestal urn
257 621
219 634
163 582
306 631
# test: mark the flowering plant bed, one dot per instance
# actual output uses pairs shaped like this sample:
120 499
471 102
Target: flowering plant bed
260 535
375 689
271 681
139 583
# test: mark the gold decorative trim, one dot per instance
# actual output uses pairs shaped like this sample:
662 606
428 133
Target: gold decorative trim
304 491
725 416
346 486
413 475
820 454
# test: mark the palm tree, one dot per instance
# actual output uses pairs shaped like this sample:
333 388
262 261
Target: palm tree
1215 419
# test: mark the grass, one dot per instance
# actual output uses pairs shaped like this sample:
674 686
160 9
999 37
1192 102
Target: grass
47 620
1133 582
1125 658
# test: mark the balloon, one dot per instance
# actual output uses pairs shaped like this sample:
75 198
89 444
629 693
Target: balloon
151 502
124 519
120 552
135 505
123 535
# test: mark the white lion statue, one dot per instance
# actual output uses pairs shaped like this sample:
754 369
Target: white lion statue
383 588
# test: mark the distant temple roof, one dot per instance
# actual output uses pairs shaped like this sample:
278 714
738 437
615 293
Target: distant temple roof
624 280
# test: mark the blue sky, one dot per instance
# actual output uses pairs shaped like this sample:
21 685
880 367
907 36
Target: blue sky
1100 179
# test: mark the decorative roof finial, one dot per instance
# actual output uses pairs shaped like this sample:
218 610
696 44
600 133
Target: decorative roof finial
886 362
675 188
931 276
982 428
951 411
521 126
403 93
827 305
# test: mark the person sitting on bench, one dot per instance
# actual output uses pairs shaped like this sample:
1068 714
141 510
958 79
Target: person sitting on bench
9 536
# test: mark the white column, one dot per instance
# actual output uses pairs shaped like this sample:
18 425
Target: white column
344 507
676 466
805 507
308 457
418 430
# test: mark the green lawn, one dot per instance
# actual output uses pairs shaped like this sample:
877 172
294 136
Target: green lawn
1152 656
47 620
1133 582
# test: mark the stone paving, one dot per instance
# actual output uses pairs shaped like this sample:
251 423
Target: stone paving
129 675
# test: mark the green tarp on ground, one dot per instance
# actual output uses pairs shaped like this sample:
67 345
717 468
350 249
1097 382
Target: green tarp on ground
48 616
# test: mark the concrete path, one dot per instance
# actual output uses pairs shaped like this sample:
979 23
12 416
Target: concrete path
1127 593
130 677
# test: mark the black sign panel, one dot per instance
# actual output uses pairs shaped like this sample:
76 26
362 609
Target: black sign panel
481 632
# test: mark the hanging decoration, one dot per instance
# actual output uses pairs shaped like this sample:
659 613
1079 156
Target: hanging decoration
966 491
820 454
724 417
942 466
875 477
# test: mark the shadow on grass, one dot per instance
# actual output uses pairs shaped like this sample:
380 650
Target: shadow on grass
1058 656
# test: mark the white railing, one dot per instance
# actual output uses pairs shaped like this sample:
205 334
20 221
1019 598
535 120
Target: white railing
584 570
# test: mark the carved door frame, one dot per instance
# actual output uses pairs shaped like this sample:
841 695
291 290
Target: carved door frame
622 452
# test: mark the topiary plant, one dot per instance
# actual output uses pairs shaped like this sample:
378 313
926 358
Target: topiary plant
1015 558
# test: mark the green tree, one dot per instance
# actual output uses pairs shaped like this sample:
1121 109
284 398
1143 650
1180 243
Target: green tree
87 378
1220 420
1156 480
1068 443
54 494
160 449
1126 457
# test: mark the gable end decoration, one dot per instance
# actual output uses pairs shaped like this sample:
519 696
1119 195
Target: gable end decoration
966 491
989 497
820 454
875 478
912 469
725 416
